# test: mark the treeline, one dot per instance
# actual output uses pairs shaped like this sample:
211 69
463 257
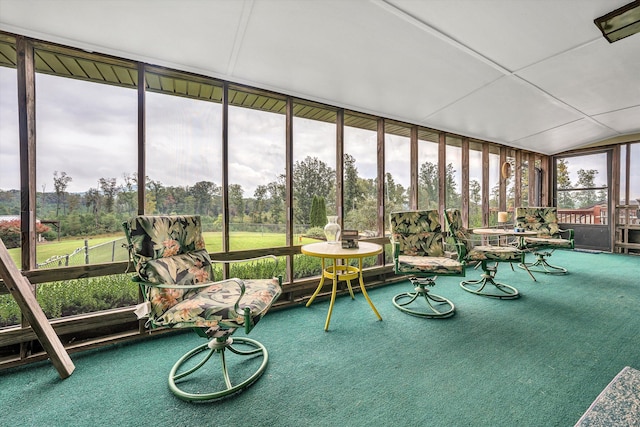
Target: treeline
102 209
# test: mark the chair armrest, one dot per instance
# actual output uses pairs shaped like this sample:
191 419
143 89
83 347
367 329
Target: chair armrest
459 247
569 231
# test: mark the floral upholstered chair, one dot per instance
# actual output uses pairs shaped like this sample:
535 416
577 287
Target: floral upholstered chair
418 252
543 220
175 274
484 254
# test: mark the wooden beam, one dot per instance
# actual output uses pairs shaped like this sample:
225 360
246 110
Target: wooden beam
485 185
381 178
20 288
413 188
142 132
465 183
27 137
532 179
442 175
517 198
503 182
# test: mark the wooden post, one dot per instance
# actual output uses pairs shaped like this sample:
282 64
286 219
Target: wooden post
20 288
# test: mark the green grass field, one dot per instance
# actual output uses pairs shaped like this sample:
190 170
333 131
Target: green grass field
238 241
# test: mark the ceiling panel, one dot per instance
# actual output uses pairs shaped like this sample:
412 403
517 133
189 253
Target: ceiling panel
596 78
565 137
191 33
375 63
624 121
507 110
511 33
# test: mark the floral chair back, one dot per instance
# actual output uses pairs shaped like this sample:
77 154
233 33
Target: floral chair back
417 233
543 220
418 244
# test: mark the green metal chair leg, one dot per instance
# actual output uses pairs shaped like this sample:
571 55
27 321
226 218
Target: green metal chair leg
542 266
219 346
434 306
479 286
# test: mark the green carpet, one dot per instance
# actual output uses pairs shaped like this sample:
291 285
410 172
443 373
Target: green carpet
539 360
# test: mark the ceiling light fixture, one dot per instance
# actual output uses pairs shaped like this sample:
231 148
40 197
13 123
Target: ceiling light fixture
620 23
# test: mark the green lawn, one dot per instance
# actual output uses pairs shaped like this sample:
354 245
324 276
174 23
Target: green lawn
213 240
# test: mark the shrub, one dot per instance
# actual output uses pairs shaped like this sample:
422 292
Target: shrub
315 233
77 296
9 311
10 232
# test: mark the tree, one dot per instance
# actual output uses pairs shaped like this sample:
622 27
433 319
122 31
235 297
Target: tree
203 192
453 197
153 195
60 184
236 202
563 182
311 177
428 185
127 197
259 203
586 179
110 190
352 194
277 192
475 205
395 194
318 215
92 202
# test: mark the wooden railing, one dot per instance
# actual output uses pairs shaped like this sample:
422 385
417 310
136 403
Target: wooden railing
594 215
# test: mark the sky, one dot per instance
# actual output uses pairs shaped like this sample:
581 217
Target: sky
89 131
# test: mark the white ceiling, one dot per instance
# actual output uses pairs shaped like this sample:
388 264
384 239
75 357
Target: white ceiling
532 74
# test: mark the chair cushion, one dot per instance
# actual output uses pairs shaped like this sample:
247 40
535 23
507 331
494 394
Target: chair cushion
214 305
494 253
184 270
431 265
548 242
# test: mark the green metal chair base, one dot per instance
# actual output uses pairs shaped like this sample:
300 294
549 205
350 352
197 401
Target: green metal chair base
542 266
479 286
433 307
218 345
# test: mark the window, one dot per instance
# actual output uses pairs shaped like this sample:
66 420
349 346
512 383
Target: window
475 184
397 181
427 169
453 184
86 153
314 167
361 174
257 143
184 151
494 183
582 189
